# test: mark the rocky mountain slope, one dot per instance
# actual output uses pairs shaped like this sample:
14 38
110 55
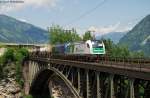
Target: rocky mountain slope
138 39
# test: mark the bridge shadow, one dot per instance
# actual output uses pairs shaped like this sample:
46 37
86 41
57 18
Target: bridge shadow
40 85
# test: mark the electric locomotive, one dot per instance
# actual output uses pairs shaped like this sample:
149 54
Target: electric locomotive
81 48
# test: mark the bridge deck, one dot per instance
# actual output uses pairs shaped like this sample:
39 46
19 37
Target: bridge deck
129 69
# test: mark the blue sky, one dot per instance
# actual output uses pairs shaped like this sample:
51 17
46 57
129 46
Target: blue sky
110 16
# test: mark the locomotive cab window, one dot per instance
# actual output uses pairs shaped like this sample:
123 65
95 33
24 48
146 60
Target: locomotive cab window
95 45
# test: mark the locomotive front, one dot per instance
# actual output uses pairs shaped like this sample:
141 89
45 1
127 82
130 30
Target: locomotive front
97 47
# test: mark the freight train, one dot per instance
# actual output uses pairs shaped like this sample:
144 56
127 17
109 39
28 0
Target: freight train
81 48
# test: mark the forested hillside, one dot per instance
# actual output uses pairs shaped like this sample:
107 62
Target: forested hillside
138 39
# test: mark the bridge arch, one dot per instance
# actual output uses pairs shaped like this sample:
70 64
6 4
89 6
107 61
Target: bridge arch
40 84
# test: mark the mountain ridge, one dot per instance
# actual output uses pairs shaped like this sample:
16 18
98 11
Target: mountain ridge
16 31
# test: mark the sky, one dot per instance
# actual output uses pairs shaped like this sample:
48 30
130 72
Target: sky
100 16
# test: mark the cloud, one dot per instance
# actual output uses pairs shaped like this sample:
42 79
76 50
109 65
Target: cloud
107 29
6 7
41 3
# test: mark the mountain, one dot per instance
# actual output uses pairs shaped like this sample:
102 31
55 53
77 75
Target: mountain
15 31
114 36
138 39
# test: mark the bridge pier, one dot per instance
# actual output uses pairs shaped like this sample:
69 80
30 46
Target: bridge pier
72 77
87 84
26 77
31 72
137 88
112 86
107 87
131 85
147 90
79 85
50 87
34 70
98 85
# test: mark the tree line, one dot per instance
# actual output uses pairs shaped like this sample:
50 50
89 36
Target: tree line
58 35
12 60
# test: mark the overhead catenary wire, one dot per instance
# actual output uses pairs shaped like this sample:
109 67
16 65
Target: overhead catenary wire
86 13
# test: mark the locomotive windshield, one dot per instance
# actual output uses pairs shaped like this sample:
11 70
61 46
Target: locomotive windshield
98 47
96 44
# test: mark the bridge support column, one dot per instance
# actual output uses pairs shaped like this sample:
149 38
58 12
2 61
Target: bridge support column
72 77
30 72
131 85
26 78
98 85
37 68
34 70
50 88
112 86
147 90
79 85
87 84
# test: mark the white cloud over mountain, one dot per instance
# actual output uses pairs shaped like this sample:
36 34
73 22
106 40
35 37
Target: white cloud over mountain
111 28
9 6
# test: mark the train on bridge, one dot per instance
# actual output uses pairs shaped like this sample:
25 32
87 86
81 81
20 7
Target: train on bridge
88 51
87 47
